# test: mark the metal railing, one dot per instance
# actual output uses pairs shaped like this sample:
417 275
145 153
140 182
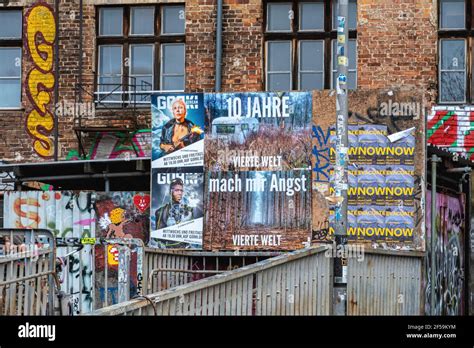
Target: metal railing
27 267
296 283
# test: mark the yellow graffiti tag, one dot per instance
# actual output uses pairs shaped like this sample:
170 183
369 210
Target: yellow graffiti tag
41 35
39 127
41 98
41 23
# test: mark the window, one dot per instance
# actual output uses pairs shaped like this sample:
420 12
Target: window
140 49
225 129
300 41
10 58
456 32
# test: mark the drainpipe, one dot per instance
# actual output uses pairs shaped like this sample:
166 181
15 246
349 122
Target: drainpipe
80 50
219 47
56 79
434 160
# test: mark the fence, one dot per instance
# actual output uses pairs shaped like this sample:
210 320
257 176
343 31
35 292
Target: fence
164 269
116 273
385 283
27 266
297 283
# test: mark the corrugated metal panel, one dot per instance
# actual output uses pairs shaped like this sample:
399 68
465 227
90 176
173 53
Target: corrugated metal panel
384 284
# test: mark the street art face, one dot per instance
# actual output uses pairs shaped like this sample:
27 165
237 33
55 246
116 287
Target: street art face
40 28
449 261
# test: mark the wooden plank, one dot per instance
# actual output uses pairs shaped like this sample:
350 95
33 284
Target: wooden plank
245 303
216 300
250 294
228 295
258 293
198 295
234 296
263 292
222 297
238 303
210 301
205 301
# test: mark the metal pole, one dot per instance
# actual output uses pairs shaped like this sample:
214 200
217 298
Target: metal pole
81 15
342 139
434 160
219 47
56 81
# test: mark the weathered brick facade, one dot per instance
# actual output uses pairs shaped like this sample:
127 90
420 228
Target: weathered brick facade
396 49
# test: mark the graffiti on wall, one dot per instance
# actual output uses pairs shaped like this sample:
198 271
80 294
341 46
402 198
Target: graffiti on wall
121 215
68 216
111 145
449 252
40 29
452 128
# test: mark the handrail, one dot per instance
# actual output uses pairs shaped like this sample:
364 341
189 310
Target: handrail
132 305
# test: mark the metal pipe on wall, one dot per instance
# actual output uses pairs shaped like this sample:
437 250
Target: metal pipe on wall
218 78
56 81
434 160
81 14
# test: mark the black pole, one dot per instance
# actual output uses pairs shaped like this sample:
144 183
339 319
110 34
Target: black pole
56 80
80 50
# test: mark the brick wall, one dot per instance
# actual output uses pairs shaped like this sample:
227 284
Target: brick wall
397 44
396 49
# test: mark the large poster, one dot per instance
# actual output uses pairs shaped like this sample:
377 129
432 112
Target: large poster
258 170
177 170
381 190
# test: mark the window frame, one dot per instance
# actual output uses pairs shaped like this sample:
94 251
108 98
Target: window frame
14 42
300 71
295 35
268 60
126 40
466 34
